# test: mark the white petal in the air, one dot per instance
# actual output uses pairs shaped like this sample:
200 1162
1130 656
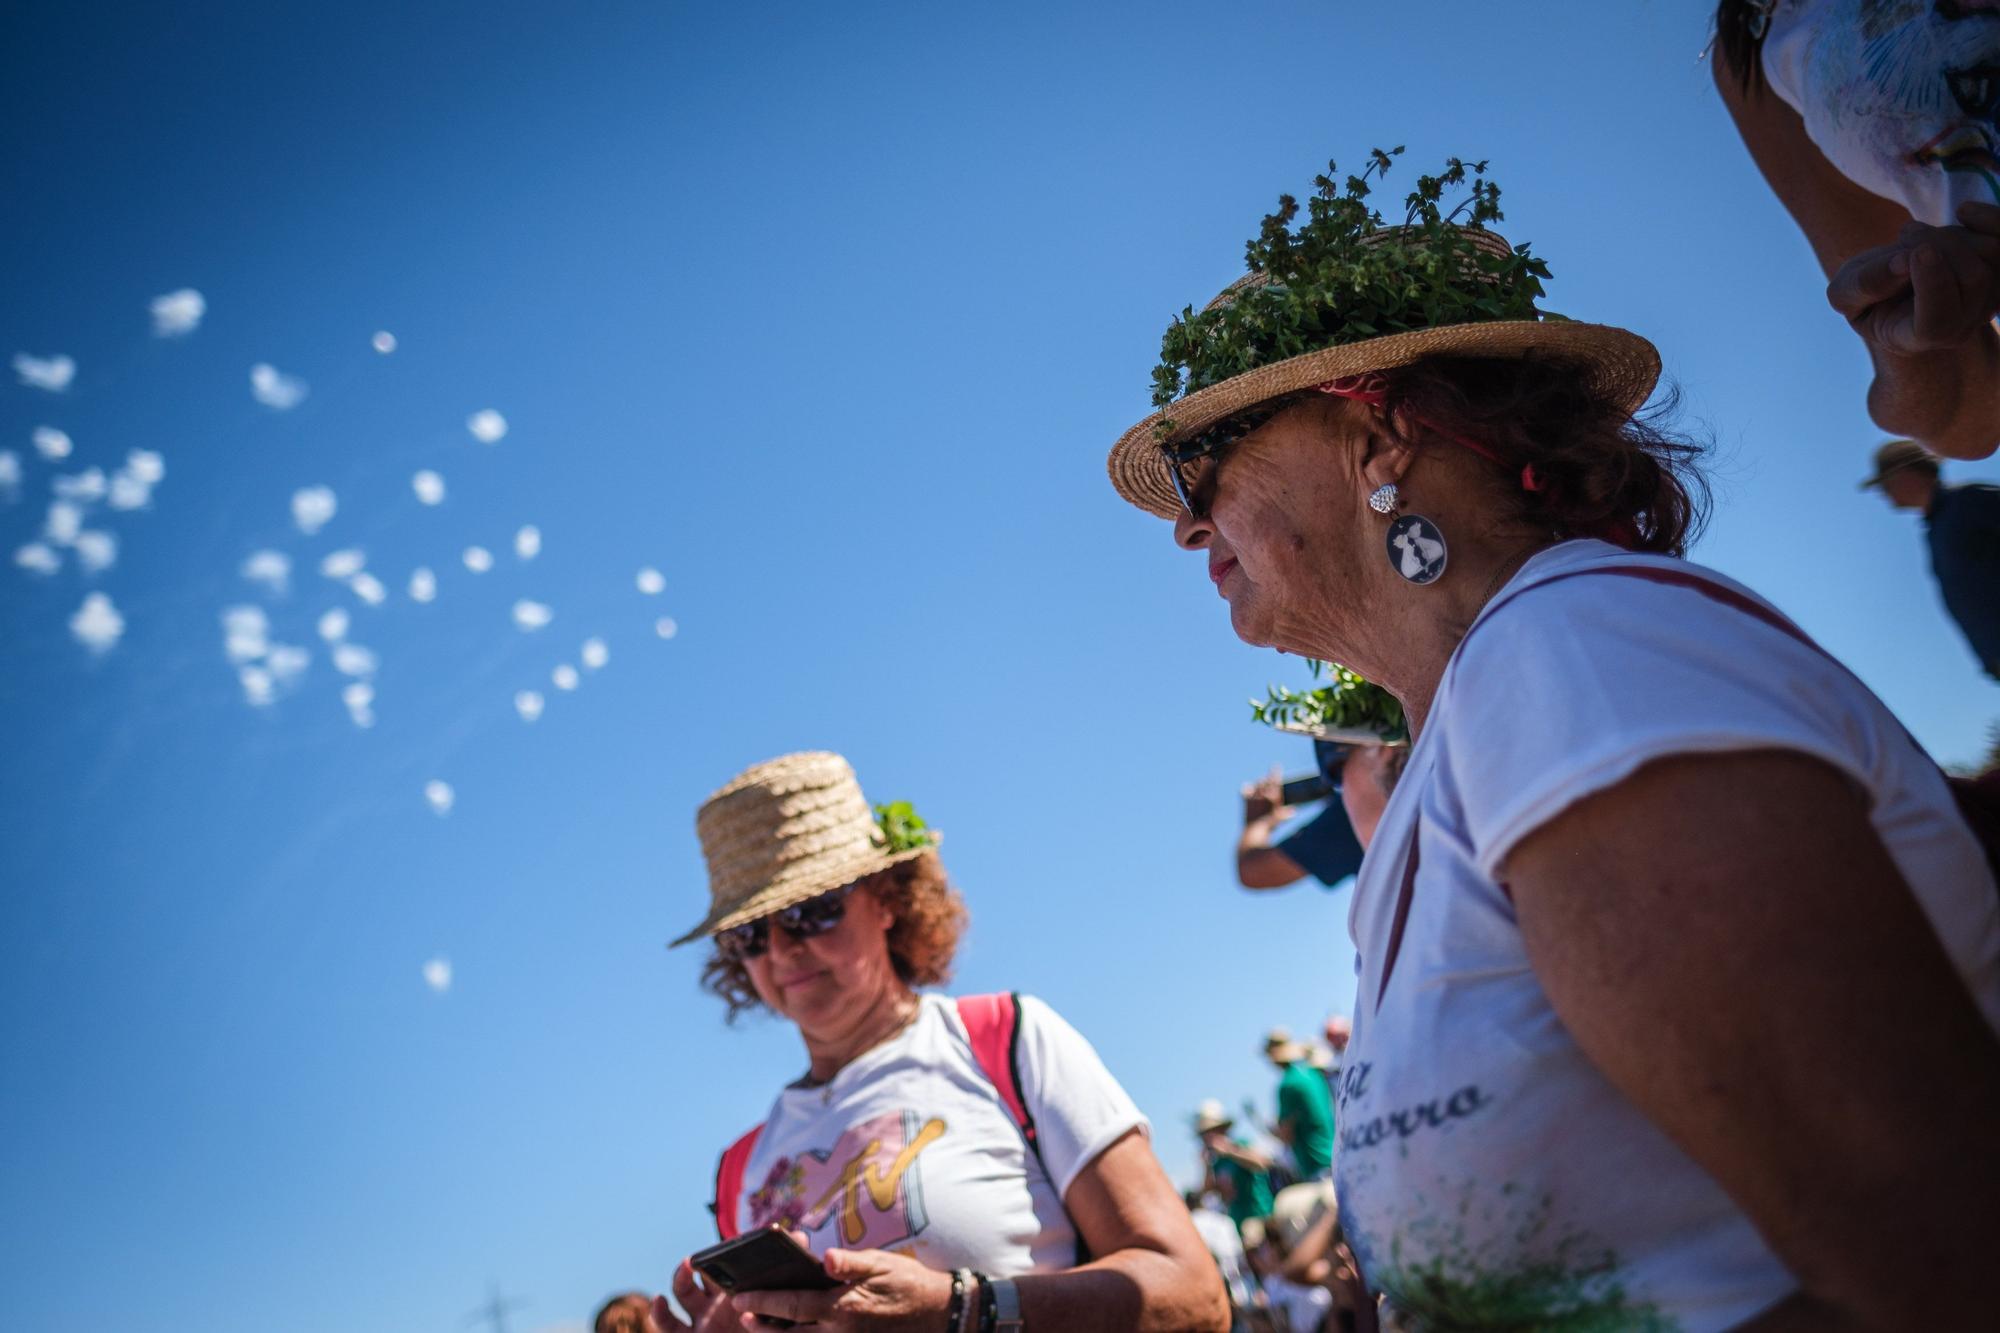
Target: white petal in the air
275 389
146 466
596 652
260 687
85 487
528 704
564 676
344 564
96 550
478 559
440 796
665 627
97 624
383 342
528 542
287 662
46 372
531 615
178 313
651 581
423 585
437 974
369 589
359 696
429 487
273 569
487 426
39 557
10 472
64 522
313 508
246 633
333 625
128 492
351 659
51 443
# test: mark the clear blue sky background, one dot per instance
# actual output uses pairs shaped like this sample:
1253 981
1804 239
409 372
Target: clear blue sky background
831 312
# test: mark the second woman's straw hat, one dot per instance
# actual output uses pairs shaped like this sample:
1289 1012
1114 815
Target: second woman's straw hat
783 831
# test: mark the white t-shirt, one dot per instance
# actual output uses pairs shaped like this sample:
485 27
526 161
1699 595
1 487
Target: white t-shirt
1479 1150
910 1148
1219 1234
1305 1307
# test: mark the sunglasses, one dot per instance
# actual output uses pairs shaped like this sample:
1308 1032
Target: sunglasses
1184 461
802 921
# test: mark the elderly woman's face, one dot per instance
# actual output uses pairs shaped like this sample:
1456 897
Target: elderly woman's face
822 977
1281 505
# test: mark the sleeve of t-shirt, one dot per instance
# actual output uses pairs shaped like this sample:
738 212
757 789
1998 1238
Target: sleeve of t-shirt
1572 687
1079 1109
1325 846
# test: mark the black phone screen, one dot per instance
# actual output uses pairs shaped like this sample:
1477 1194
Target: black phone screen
766 1260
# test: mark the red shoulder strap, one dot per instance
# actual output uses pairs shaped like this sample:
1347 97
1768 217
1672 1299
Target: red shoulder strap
993 1023
729 1182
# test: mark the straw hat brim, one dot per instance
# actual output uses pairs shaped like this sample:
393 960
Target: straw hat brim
792 891
1286 1053
1338 735
1623 366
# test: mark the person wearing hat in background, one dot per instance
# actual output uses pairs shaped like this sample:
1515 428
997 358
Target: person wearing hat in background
1305 1106
1632 780
1232 1170
946 1160
627 1312
1962 527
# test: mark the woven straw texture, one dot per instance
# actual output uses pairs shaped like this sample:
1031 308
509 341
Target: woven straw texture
783 831
1623 367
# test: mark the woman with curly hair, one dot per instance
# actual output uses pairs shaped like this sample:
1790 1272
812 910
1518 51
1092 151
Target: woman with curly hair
966 1164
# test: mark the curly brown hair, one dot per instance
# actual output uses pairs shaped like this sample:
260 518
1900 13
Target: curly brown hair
929 918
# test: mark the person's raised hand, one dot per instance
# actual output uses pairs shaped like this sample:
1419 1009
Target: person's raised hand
1930 291
1265 799
884 1293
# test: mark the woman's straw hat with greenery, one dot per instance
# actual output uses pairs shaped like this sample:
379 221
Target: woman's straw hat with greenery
1344 294
1344 708
790 829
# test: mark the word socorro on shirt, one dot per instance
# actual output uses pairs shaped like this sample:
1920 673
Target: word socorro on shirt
1401 1124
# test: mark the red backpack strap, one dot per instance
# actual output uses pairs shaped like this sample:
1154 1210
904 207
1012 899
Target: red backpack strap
993 1023
729 1182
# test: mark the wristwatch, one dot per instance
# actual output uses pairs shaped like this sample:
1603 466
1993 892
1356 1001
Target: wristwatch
1006 1306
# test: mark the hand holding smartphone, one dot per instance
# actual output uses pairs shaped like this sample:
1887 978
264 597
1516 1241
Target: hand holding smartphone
764 1260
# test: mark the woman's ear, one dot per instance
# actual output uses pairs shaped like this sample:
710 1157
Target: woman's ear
1385 455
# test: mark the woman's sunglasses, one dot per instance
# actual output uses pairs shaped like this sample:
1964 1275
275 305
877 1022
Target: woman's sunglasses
802 921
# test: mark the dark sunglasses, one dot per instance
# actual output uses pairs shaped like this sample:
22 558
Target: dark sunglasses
802 921
1184 460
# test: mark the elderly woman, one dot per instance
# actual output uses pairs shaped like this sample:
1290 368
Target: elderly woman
1679 970
952 1163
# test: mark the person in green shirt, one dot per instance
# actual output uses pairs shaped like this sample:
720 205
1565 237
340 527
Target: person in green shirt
1305 1107
1235 1171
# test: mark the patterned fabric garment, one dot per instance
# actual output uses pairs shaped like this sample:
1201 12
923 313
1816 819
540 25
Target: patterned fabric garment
1900 95
1489 1175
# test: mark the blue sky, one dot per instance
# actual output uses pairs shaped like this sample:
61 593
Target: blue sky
829 313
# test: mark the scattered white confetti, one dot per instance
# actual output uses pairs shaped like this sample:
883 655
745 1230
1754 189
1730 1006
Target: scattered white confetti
596 652
39 557
528 704
273 569
64 522
383 342
147 466
528 542
423 585
178 314
333 625
564 676
665 627
10 472
260 687
651 581
287 662
437 974
132 485
313 508
429 487
46 372
97 624
343 564
487 426
440 795
478 559
369 589
531 615
51 443
85 487
246 633
96 550
275 389
351 659
360 700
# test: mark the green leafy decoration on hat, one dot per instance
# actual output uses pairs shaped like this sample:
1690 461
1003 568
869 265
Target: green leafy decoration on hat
1342 276
1346 702
902 829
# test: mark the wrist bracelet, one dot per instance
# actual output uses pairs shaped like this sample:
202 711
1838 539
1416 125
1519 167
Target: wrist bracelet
955 1312
985 1324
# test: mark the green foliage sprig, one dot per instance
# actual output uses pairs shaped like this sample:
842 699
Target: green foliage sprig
1346 701
1341 276
902 828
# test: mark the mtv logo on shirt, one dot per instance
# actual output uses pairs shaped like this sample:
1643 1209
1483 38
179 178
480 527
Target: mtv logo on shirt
865 1192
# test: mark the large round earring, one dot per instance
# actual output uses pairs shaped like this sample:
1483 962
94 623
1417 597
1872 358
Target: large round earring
1383 499
1416 548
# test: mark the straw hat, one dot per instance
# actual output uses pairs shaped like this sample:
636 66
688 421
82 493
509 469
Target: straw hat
1280 1049
1622 366
1210 1115
1297 1207
1898 456
783 831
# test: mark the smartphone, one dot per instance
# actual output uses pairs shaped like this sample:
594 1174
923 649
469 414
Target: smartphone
1305 790
766 1260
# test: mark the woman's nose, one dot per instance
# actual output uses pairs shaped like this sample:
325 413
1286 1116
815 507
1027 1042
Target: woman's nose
1191 533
